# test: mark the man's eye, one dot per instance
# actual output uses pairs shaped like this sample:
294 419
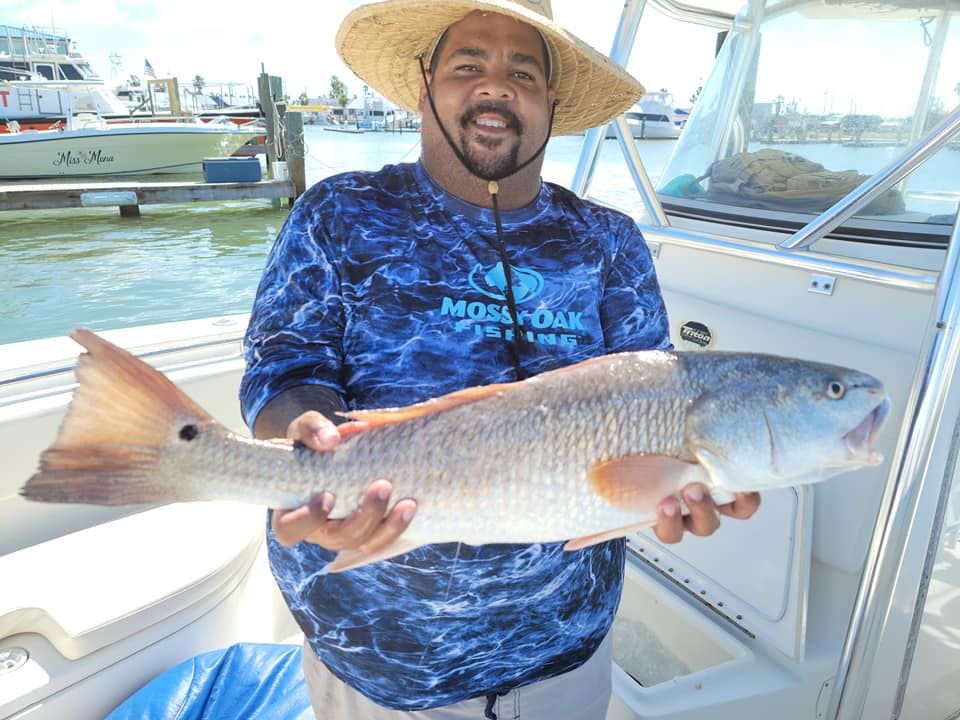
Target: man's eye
467 68
524 75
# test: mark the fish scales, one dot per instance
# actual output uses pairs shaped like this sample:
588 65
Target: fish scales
526 452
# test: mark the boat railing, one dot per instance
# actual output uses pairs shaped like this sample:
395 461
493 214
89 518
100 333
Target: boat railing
915 474
683 12
623 41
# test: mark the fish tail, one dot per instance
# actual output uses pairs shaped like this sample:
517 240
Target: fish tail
123 416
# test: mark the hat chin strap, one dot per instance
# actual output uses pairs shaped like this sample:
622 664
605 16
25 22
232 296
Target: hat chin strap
493 187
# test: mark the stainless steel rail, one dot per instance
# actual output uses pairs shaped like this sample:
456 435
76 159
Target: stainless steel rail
658 218
876 185
693 14
934 55
742 47
910 478
921 280
623 41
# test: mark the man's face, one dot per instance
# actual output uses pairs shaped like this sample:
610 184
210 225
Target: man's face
489 84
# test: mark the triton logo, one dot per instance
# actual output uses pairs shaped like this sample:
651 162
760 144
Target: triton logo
696 333
492 282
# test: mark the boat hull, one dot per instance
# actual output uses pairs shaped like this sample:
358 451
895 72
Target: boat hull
116 151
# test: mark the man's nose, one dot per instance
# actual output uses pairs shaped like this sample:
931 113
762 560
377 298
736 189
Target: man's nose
495 85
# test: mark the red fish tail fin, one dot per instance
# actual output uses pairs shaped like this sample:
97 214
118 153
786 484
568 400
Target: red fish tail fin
122 416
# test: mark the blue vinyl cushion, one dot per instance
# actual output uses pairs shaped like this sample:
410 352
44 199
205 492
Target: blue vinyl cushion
242 682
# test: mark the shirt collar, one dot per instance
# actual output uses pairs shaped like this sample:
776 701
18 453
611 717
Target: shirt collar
478 213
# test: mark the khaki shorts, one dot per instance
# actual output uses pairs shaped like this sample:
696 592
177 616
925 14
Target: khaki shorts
581 694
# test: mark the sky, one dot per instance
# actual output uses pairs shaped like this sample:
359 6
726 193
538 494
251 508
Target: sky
228 42
877 71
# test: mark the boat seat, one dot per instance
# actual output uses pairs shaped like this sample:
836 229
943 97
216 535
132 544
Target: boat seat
241 682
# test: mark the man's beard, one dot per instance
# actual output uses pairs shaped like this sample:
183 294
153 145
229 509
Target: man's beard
483 165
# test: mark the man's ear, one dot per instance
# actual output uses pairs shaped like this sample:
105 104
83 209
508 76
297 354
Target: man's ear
422 100
551 96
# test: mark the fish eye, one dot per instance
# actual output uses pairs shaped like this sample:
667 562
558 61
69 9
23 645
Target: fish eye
835 390
188 432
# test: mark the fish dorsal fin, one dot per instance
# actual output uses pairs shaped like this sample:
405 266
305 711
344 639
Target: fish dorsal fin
391 416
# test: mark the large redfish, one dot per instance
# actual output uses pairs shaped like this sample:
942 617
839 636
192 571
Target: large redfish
584 452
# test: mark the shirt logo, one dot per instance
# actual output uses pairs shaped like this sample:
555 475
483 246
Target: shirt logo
492 282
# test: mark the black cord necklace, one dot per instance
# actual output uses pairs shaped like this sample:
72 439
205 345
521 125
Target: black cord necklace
493 187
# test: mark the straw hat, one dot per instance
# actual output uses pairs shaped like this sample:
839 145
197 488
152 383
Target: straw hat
380 43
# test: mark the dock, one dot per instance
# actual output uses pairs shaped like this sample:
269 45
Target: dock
129 196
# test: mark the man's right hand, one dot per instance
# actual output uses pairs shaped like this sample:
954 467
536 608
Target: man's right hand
369 527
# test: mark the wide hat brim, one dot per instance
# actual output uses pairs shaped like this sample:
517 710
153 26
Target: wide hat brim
380 43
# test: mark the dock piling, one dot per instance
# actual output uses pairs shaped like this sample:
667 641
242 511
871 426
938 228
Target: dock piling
294 152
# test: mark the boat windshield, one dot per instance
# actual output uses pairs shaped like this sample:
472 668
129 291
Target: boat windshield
807 99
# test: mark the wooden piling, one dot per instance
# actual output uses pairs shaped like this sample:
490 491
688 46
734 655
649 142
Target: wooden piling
294 152
270 91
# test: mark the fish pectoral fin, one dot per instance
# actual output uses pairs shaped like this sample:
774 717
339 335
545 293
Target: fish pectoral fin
637 483
587 540
350 559
391 416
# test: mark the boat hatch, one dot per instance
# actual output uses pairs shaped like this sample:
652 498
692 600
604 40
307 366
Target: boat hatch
770 601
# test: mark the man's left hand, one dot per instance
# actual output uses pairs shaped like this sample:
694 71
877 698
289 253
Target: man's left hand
704 517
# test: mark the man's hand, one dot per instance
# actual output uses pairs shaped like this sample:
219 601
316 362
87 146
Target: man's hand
704 517
366 527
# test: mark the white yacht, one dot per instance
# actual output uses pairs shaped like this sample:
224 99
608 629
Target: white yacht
770 233
44 78
655 117
42 74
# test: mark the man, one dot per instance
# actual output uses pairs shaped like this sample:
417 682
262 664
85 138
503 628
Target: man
463 269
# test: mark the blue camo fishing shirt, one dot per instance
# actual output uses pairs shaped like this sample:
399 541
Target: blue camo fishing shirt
388 290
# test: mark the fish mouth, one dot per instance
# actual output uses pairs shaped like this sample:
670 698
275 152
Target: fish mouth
859 441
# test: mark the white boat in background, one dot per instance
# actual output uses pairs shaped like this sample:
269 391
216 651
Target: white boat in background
45 104
834 602
43 74
654 118
97 148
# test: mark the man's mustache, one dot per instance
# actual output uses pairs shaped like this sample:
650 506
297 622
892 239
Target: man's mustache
513 122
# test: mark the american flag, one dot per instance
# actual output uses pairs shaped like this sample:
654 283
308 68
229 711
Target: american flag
148 70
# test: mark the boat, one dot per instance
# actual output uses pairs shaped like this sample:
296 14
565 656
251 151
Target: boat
835 602
43 74
34 53
654 118
95 148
